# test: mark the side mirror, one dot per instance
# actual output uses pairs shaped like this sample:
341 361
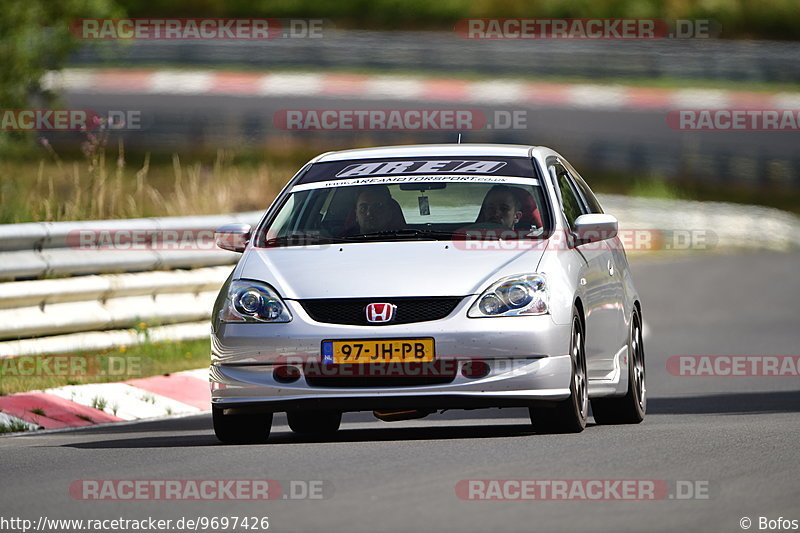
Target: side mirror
595 227
233 237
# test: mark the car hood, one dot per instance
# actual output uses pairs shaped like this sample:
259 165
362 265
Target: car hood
416 268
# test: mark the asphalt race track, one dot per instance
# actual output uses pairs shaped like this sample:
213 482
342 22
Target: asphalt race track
737 434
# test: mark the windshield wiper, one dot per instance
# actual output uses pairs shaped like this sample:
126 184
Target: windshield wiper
300 238
407 233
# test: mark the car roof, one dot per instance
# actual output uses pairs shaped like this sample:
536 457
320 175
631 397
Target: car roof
430 150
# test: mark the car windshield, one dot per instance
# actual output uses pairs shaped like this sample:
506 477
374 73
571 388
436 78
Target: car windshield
416 208
412 199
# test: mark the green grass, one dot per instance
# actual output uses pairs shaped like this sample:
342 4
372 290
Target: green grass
679 188
44 190
13 427
108 183
654 188
150 359
99 403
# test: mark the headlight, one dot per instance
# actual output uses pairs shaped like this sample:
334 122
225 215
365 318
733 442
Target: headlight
251 301
513 296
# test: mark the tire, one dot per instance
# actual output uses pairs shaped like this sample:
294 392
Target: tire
314 422
631 408
568 416
241 428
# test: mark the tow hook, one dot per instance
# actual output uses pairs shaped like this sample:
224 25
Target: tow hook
405 414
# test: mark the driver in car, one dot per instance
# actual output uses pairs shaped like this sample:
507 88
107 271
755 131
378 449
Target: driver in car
376 210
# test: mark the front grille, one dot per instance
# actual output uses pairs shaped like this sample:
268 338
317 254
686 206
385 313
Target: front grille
357 383
351 311
381 375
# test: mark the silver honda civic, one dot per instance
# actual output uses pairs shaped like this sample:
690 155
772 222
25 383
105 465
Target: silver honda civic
406 280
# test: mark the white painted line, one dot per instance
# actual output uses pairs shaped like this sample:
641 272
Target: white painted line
394 88
291 84
68 79
786 101
597 96
121 400
645 330
179 82
701 99
496 91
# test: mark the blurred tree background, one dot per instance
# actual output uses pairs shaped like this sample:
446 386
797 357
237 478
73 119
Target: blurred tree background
87 179
35 38
34 34
761 19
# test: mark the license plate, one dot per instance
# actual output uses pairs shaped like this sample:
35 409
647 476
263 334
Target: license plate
378 351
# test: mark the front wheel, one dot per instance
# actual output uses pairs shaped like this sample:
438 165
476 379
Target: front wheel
628 409
314 422
568 416
241 428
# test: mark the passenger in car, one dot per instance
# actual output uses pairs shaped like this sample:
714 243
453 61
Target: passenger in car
531 217
500 206
510 207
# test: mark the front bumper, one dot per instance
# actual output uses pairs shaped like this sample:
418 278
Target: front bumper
527 360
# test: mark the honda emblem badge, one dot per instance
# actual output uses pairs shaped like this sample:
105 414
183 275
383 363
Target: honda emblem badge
380 312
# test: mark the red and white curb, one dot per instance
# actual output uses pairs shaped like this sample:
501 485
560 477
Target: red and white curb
338 85
181 393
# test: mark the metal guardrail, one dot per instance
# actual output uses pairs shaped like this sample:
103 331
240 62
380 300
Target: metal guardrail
706 226
90 303
117 288
446 52
37 249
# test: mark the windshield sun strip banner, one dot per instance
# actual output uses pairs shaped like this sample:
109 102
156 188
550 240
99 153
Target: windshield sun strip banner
521 167
414 166
389 180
